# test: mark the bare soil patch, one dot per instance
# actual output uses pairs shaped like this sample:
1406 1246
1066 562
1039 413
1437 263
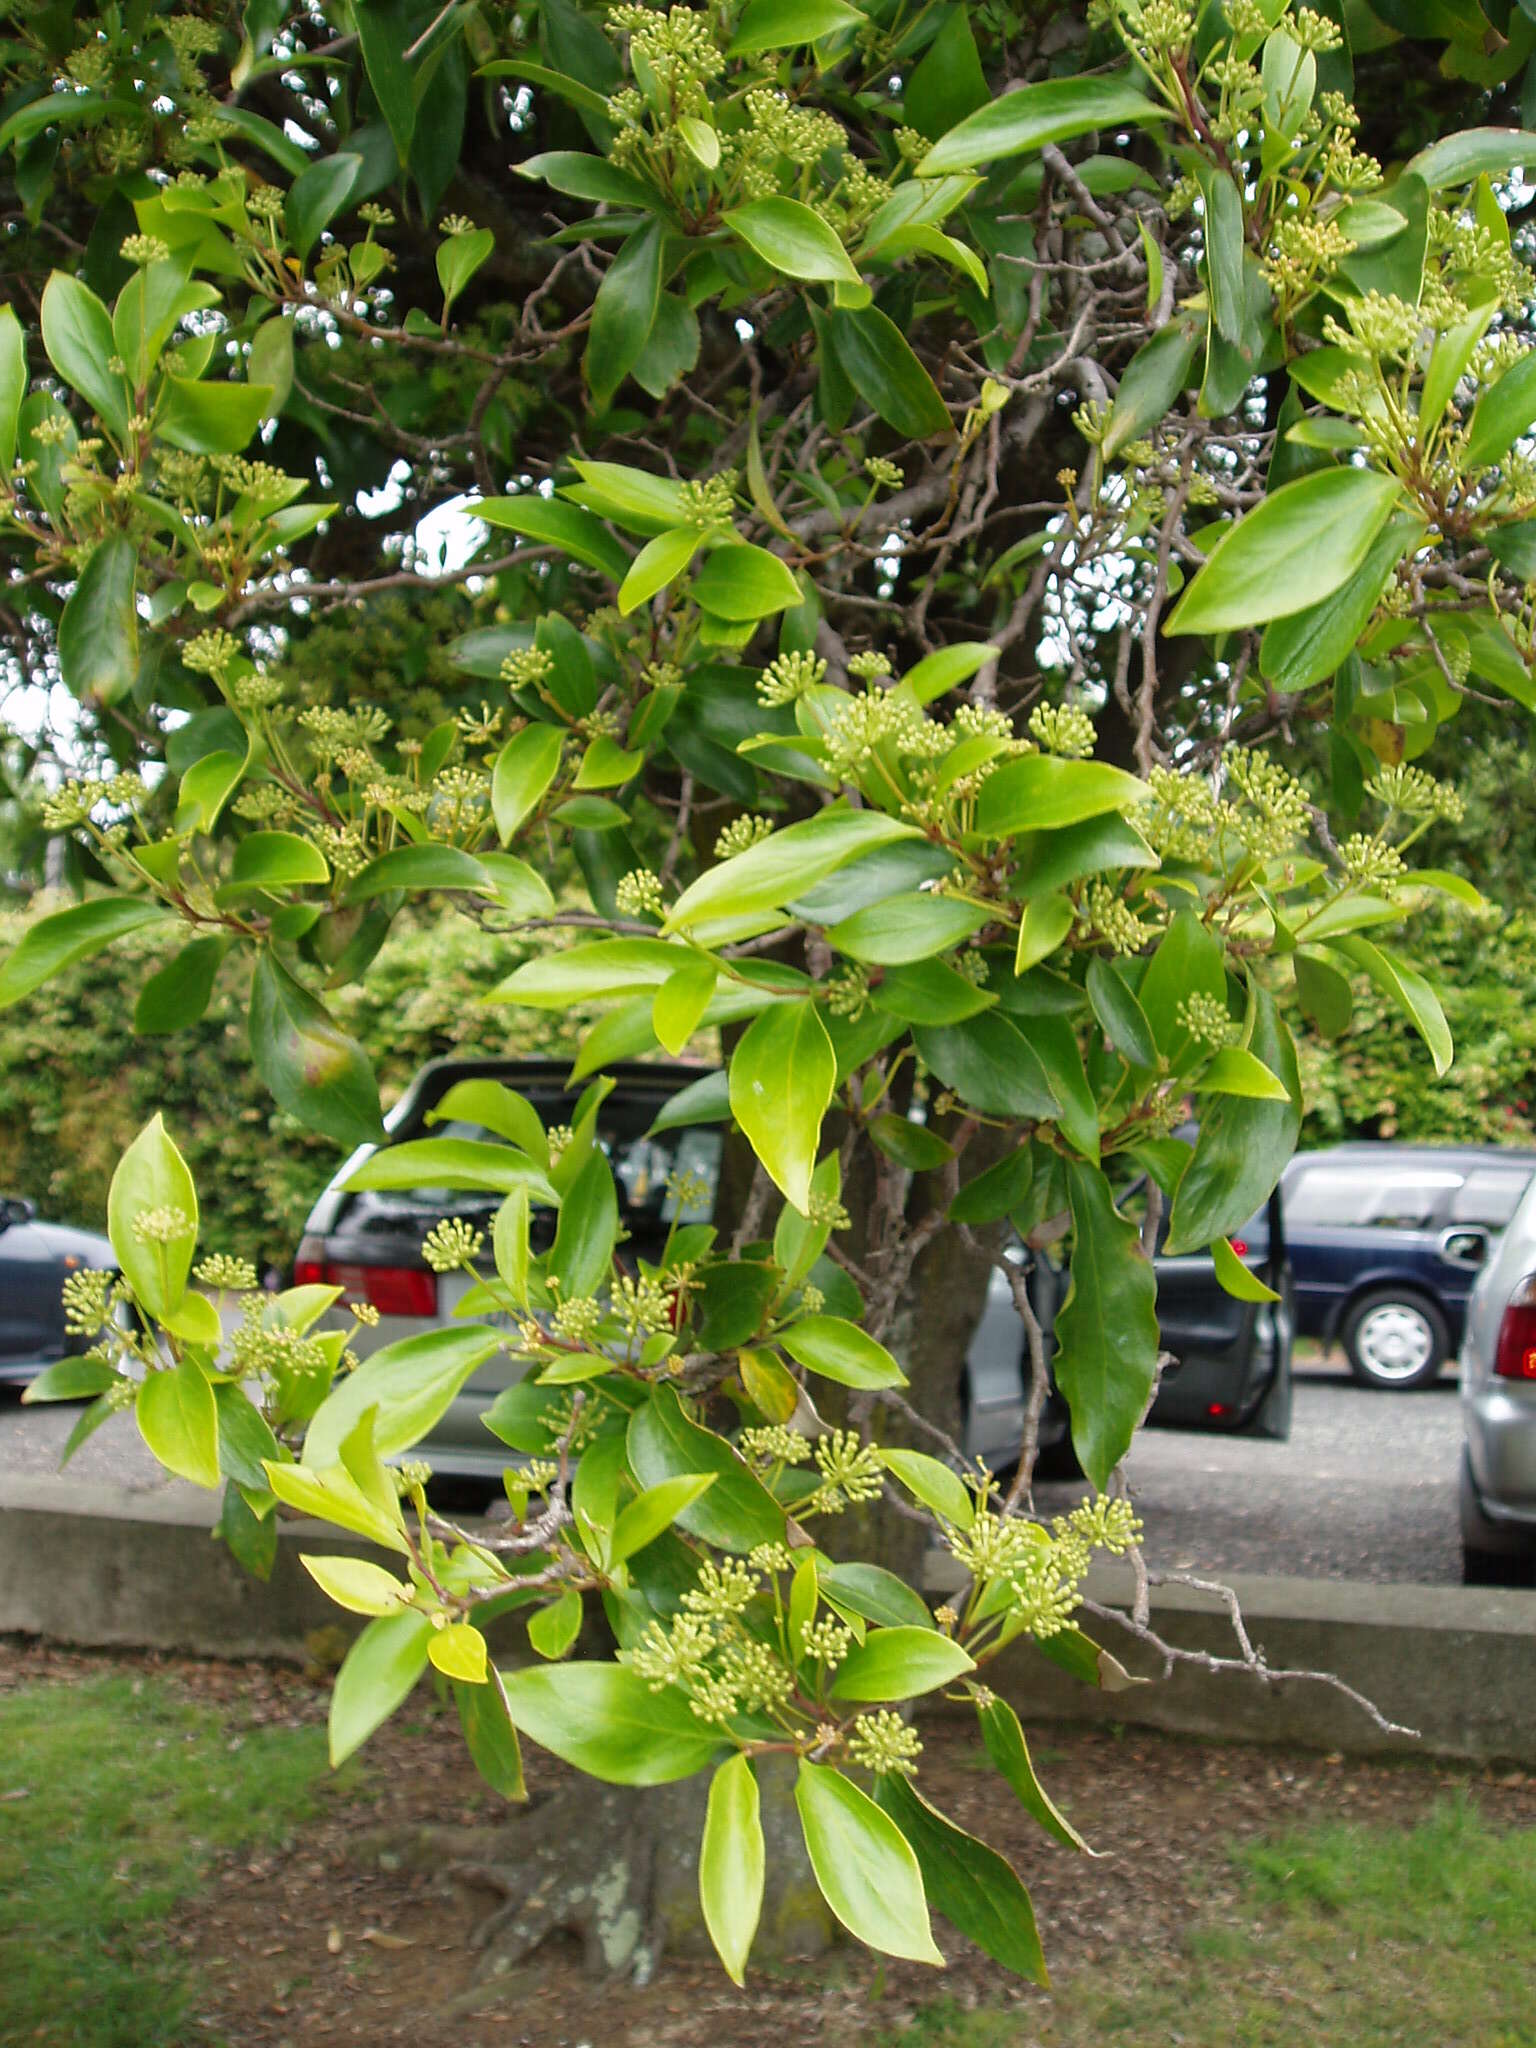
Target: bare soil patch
305 1949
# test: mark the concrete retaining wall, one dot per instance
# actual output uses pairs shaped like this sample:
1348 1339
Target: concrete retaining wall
105 1567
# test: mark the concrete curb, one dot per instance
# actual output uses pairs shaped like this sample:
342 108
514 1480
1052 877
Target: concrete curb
112 1568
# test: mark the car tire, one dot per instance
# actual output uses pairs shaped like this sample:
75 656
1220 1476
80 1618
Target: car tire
1490 1555
1395 1340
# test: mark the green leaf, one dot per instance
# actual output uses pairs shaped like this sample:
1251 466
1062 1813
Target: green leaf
497 1108
1041 791
1005 1744
581 1258
607 968
1153 380
946 667
910 1144
1409 990
1055 110
1243 1144
737 1512
1188 961
583 176
623 311
554 1628
903 929
377 1674
786 865
1324 994
1448 362
679 1004
631 498
179 1422
1106 1330
335 1496
420 867
70 1379
13 384
785 24
452 1163
1471 153
990 1065
593 105
458 1651
1310 645
864 1865
410 1384
658 563
656 1509
314 1070
1045 922
933 1483
1054 1042
1296 548
741 582
152 1175
358 1585
55 942
553 523
1232 1071
317 195
510 1242
841 1351
949 83
731 1856
876 1594
792 239
970 1884
278 860
880 365
930 992
210 419
385 29
605 1721
996 1191
491 1738
98 639
77 333
1505 410
1224 243
1120 1015
458 259
1238 1280
783 1071
525 768
900 1663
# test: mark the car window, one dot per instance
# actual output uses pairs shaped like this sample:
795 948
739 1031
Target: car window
1334 1197
1490 1195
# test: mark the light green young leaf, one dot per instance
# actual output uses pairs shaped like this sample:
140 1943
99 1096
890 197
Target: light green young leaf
152 1181
656 1509
660 562
744 583
784 24
357 1585
55 942
731 1857
841 1351
623 311
1055 110
792 239
411 1384
786 865
77 333
377 1674
1232 1071
935 1484
179 1422
864 1865
604 1720
679 1004
1238 1280
1040 791
1409 990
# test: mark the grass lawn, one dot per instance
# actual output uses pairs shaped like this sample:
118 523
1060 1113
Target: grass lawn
1341 1936
116 1796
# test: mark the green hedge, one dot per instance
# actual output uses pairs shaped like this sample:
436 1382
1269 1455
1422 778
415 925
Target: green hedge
76 1083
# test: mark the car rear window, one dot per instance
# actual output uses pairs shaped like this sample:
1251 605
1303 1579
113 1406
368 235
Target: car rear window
1490 1195
1338 1197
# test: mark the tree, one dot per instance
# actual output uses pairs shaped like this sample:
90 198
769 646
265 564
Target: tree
921 457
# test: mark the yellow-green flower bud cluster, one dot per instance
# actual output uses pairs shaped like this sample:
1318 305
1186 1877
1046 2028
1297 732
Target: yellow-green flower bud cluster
643 1306
1417 794
869 665
1275 809
579 1319
1063 729
165 1224
789 676
883 1743
230 1276
526 667
774 1445
848 993
1104 915
87 1301
851 1472
639 894
1207 1020
1370 862
741 833
451 1244
709 501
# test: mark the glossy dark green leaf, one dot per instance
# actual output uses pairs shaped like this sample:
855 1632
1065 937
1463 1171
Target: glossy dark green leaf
491 1739
623 311
1188 962
582 1255
793 240
77 333
1006 1746
995 1192
930 992
314 1070
208 418
900 1663
386 29
1324 994
1471 153
1040 791
911 1145
878 361
737 1512
1243 1146
606 1721
177 995
904 929
989 1064
876 1594
1224 244
1106 1330
1123 1020
420 867
1053 1040
949 83
975 1889
1505 411
1153 380
317 195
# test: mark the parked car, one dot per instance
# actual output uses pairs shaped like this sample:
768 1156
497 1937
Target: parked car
1233 1358
1386 1242
1498 1407
35 1260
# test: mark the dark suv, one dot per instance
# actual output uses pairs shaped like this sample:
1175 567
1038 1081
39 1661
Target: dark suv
1232 1358
1385 1243
35 1261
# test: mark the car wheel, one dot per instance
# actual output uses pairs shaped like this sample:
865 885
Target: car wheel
1395 1341
1490 1555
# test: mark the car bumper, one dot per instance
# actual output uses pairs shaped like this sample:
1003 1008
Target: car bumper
1501 1445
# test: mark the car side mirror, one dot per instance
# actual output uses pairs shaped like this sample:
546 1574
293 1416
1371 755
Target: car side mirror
1465 1245
15 1209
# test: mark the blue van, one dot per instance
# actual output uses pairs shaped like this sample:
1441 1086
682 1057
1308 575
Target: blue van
1385 1242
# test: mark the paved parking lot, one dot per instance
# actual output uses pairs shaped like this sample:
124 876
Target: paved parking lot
1365 1489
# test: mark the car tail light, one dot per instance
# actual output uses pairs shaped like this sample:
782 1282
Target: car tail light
1240 1246
392 1290
1514 1357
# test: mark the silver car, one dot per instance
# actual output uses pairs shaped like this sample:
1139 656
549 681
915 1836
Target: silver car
1498 1406
662 1122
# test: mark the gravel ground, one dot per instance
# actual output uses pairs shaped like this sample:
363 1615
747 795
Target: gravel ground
1365 1489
